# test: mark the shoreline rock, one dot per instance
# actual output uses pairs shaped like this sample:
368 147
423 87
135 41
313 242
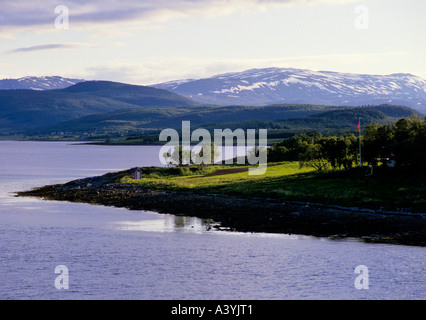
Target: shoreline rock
246 214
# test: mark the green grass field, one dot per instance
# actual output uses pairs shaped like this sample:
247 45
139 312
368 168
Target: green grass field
213 177
387 188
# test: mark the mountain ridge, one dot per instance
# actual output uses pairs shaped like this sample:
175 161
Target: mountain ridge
23 109
129 93
38 83
263 86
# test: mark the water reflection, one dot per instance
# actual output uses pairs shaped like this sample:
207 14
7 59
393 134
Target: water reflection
185 224
169 223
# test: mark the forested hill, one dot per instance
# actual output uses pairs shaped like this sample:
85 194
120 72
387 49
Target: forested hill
277 119
345 119
137 95
21 110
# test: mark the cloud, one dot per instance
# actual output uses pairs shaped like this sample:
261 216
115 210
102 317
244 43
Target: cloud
158 71
51 46
161 70
41 13
40 48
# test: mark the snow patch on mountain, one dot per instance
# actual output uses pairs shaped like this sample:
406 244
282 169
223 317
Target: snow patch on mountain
38 83
273 85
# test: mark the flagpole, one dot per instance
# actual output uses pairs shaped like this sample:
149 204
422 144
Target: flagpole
359 132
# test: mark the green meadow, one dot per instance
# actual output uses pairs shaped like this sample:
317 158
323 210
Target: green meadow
387 188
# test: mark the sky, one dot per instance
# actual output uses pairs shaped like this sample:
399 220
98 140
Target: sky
148 42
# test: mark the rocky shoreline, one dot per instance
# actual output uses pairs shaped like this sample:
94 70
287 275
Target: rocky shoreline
245 214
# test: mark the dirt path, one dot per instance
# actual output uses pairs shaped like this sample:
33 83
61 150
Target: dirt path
226 171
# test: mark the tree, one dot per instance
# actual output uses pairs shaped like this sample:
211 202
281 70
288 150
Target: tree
206 156
314 158
351 142
317 151
377 142
179 156
405 141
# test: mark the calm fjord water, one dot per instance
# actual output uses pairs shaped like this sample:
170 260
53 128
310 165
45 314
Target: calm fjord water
115 253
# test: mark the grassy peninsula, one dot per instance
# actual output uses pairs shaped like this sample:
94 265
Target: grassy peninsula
385 189
385 207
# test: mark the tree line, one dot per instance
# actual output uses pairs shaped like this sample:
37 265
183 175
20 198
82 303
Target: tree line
403 143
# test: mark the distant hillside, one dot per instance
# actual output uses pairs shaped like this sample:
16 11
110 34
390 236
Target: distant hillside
21 110
111 108
330 121
288 85
276 118
137 119
138 95
37 83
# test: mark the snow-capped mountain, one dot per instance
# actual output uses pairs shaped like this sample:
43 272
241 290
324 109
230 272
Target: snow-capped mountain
38 83
288 85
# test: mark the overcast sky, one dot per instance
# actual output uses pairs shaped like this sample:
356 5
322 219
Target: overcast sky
146 42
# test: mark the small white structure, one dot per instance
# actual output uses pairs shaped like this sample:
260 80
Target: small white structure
136 174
